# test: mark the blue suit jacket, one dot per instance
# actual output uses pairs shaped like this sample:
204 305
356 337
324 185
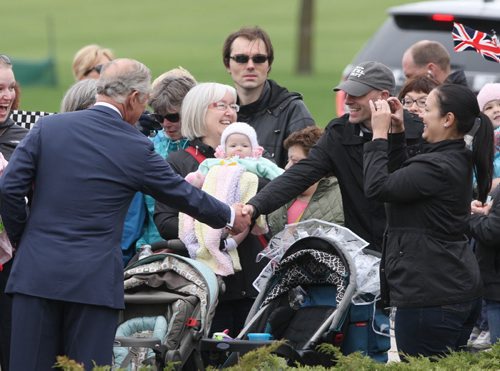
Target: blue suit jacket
85 167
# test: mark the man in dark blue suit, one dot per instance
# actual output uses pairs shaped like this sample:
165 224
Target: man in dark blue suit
84 168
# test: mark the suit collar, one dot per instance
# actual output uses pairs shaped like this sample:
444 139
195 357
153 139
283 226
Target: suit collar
105 107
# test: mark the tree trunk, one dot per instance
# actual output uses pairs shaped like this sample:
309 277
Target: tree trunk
304 65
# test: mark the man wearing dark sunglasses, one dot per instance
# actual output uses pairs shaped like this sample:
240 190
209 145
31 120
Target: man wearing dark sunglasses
270 109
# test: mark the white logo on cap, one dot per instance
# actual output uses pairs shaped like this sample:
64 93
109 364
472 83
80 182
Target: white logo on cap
358 71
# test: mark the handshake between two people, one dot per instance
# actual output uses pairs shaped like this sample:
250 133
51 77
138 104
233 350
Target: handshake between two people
242 218
387 117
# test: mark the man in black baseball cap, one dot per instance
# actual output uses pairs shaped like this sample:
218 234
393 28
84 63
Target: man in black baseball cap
340 151
368 76
367 81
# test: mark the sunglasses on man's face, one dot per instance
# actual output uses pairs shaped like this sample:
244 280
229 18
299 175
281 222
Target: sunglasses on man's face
243 58
97 69
171 117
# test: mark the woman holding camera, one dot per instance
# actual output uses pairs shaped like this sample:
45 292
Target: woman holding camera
428 270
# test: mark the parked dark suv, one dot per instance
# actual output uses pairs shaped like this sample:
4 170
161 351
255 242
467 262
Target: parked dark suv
432 20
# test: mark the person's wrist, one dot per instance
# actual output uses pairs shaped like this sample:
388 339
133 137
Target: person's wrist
255 213
232 217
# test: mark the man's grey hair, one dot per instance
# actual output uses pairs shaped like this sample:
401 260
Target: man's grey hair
80 96
168 94
195 106
117 86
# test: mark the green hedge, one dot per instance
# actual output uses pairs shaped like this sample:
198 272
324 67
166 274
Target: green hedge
263 359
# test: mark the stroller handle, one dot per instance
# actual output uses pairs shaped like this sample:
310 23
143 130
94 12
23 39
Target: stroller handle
176 246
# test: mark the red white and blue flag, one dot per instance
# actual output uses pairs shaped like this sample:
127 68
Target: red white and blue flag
466 38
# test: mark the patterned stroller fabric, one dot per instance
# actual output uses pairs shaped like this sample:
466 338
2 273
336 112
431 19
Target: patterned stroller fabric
186 279
170 301
309 266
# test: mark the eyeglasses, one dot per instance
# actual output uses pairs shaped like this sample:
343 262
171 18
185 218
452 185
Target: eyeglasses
221 106
243 58
97 69
172 117
5 59
408 102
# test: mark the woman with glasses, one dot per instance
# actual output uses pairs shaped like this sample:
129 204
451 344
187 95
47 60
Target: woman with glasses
414 93
10 135
428 270
88 61
206 111
166 99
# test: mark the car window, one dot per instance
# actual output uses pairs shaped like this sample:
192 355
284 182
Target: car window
400 39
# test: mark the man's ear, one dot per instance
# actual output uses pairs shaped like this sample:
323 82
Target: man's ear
431 70
384 94
130 100
135 96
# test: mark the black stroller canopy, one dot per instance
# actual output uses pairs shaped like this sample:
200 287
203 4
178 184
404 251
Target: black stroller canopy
310 260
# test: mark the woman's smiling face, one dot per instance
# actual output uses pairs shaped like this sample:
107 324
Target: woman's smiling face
434 126
7 92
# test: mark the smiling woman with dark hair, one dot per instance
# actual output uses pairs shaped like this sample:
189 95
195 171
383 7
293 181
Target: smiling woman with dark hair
428 271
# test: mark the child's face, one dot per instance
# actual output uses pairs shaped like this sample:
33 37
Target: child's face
238 145
492 110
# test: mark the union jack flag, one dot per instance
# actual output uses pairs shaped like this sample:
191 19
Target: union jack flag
466 38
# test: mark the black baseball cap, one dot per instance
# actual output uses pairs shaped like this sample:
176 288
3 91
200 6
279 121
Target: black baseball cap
368 76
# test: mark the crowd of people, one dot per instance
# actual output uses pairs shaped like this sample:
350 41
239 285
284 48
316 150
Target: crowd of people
128 163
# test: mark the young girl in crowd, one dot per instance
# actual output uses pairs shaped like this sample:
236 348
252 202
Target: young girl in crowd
489 103
485 228
428 270
322 200
232 177
481 337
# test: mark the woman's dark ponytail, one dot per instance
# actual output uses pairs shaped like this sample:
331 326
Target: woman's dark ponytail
462 102
482 156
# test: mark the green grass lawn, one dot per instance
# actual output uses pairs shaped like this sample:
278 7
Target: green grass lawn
166 33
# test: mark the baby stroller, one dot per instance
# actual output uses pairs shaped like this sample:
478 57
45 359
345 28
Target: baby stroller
319 287
170 301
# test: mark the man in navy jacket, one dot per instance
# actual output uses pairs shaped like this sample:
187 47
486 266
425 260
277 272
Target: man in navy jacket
84 168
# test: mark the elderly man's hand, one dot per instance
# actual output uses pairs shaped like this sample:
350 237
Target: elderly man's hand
241 221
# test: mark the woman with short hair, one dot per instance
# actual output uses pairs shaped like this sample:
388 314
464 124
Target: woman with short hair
206 111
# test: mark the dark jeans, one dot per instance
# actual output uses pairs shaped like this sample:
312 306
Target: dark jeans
430 331
482 320
493 308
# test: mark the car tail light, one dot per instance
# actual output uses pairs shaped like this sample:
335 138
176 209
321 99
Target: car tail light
443 17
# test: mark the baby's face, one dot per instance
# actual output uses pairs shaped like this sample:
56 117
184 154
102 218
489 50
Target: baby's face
238 145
